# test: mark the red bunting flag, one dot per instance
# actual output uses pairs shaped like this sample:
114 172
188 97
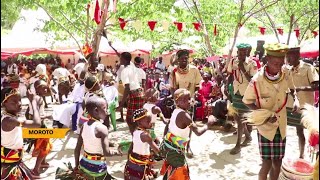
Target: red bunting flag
152 25
88 6
97 13
315 33
122 23
196 26
262 30
179 26
215 32
280 31
297 32
240 25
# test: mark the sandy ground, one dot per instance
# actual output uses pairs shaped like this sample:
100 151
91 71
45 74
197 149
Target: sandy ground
211 154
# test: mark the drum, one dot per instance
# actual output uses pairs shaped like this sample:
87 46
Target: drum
298 169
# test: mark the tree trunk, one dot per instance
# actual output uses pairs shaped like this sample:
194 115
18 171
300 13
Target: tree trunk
234 41
290 28
205 31
98 33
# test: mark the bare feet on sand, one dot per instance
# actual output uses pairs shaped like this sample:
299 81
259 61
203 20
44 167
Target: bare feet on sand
235 150
247 141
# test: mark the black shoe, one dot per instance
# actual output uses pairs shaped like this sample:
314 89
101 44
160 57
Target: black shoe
120 120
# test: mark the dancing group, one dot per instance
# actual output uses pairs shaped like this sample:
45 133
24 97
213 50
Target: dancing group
269 97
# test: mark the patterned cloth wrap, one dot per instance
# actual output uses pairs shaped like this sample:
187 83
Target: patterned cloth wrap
175 165
272 149
92 169
136 100
294 119
11 165
137 167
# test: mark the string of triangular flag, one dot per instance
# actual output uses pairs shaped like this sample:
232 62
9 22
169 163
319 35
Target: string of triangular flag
197 26
96 14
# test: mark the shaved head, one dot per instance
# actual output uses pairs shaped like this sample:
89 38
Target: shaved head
93 102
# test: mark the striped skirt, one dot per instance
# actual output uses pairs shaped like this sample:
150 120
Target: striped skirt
238 104
11 165
294 119
90 169
274 149
137 167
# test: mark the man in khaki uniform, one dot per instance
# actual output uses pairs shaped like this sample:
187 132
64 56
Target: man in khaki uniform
240 71
185 75
306 81
267 96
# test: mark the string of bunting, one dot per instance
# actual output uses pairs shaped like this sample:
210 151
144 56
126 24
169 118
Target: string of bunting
196 25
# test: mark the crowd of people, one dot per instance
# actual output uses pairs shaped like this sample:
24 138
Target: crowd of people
245 91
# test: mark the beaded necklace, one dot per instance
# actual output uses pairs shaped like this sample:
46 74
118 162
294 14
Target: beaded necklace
273 79
184 70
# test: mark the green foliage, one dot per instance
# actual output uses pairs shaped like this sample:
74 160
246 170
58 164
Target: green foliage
224 13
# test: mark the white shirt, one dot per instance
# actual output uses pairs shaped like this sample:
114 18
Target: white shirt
79 68
129 75
100 67
110 93
61 72
11 68
170 69
78 93
118 78
142 75
161 66
41 69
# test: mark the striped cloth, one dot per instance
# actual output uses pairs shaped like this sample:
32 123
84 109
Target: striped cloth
11 165
294 119
137 167
272 149
238 104
91 169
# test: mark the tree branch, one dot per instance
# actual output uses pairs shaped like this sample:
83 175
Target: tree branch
64 28
253 7
271 22
262 8
307 28
72 23
190 10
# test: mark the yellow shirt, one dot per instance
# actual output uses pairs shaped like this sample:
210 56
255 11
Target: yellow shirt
188 80
240 81
271 97
303 75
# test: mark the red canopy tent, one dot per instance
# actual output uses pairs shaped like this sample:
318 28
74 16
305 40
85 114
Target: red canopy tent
5 55
310 49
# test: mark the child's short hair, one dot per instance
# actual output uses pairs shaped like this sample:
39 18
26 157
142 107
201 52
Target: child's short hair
90 82
139 114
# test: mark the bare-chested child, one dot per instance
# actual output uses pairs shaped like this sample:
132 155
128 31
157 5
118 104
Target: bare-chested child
177 136
11 133
42 146
94 140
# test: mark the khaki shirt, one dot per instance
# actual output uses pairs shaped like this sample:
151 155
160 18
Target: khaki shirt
271 97
240 81
188 80
303 75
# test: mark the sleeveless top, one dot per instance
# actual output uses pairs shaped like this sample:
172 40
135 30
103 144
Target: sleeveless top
149 107
139 147
173 128
91 143
12 139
